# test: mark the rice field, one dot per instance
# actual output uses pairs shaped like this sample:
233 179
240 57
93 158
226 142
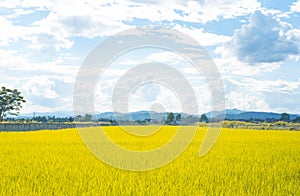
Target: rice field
243 162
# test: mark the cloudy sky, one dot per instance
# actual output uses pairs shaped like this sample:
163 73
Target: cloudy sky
255 44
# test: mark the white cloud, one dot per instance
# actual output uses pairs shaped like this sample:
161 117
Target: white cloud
38 36
63 26
264 40
192 11
295 7
262 95
153 55
94 18
48 41
273 86
27 4
246 101
18 12
204 38
164 57
9 3
11 58
150 94
230 65
225 9
14 61
31 107
9 32
40 86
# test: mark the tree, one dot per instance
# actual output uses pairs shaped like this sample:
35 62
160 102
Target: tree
170 118
163 120
88 118
190 119
178 118
203 118
10 102
85 118
297 120
285 117
71 119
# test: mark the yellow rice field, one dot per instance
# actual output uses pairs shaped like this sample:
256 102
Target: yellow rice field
243 162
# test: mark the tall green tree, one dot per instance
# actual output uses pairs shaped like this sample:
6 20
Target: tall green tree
285 117
178 118
170 118
10 102
203 118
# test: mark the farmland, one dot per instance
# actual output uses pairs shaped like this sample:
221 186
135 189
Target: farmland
242 162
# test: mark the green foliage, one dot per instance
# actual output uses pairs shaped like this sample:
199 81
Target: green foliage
170 118
203 118
297 120
178 118
85 118
285 117
10 102
190 120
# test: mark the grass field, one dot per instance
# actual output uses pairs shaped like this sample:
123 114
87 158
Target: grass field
243 162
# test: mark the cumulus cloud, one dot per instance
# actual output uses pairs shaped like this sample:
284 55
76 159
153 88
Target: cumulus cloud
151 94
262 95
14 62
95 18
220 9
40 86
46 93
264 40
68 19
147 92
204 38
231 66
295 7
9 32
263 86
246 101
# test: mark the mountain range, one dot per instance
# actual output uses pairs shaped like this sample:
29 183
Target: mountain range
230 114
235 114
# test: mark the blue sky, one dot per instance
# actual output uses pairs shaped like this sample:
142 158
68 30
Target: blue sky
255 45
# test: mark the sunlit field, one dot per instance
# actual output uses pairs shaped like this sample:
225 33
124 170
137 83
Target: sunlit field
243 162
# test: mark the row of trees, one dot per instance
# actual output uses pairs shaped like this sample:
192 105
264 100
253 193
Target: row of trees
285 117
171 119
190 119
50 119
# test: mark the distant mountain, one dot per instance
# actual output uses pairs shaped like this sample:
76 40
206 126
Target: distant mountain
253 115
134 116
214 114
56 114
230 114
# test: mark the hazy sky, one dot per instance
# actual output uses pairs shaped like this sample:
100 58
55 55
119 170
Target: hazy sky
255 45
